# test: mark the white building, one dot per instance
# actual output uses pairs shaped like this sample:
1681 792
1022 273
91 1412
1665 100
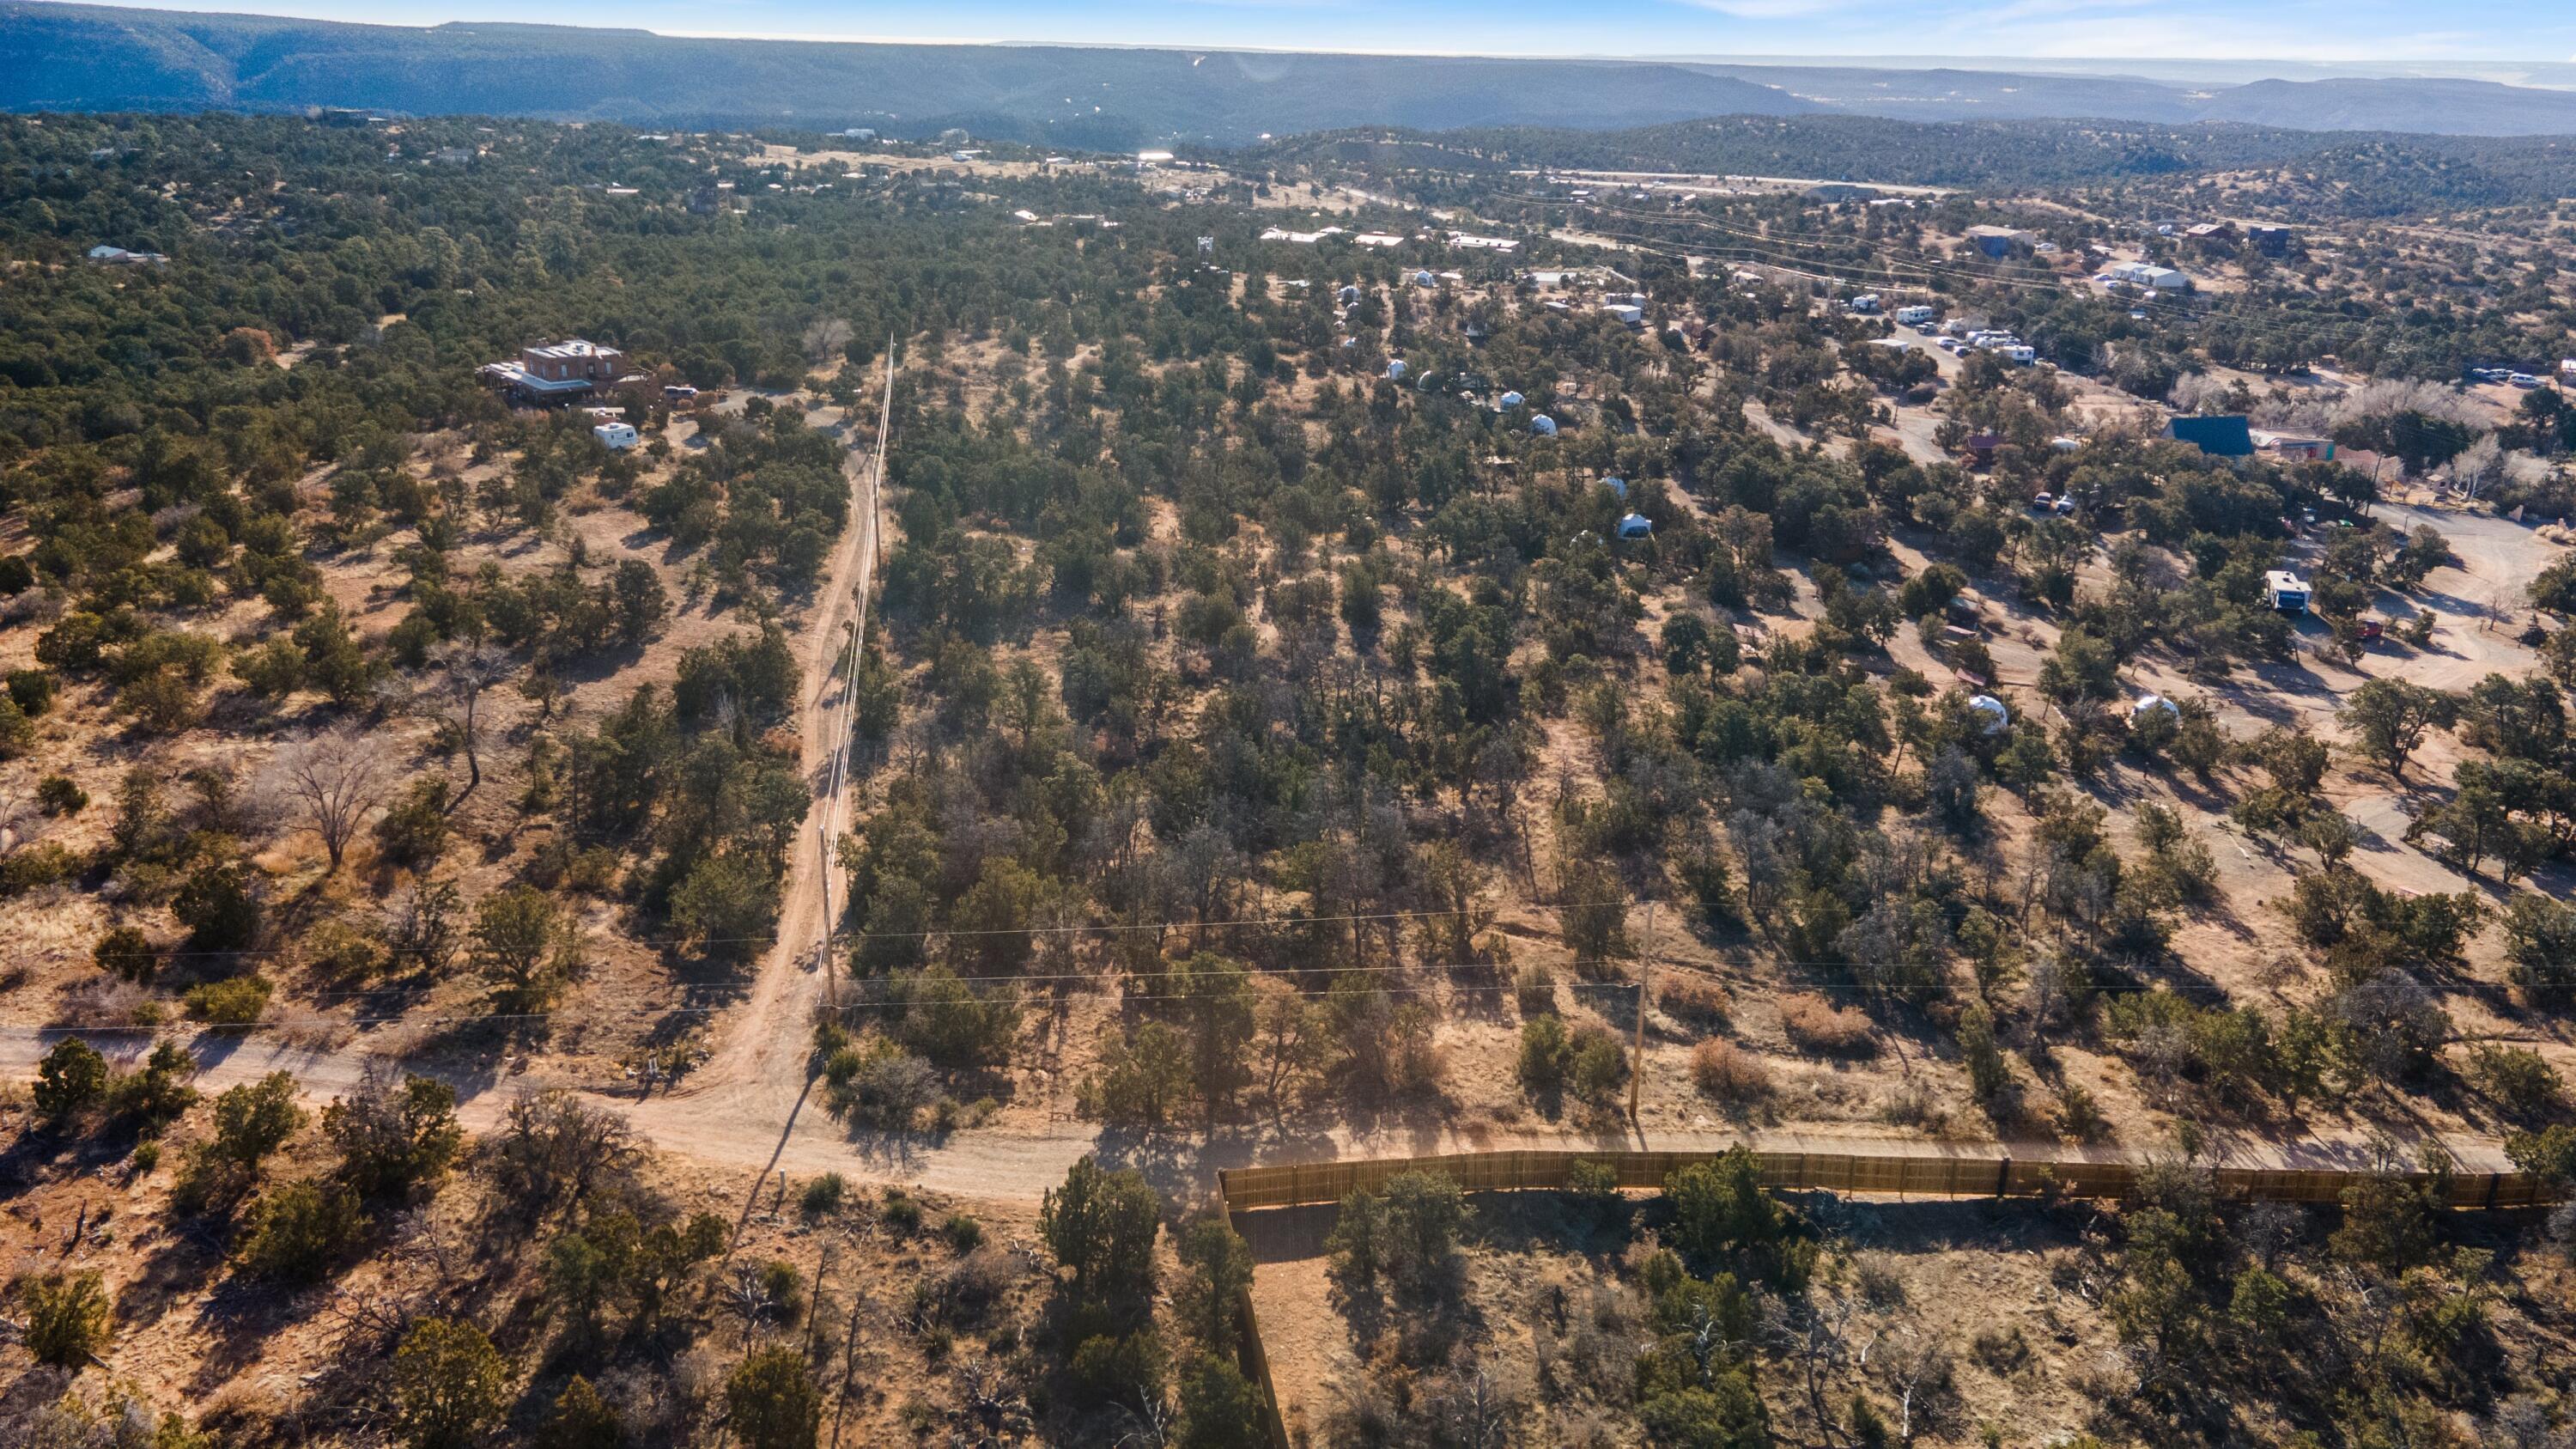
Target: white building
616 437
2150 276
1483 243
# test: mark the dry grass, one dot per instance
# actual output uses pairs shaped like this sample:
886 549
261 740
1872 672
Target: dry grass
1703 1005
1817 1026
1724 1072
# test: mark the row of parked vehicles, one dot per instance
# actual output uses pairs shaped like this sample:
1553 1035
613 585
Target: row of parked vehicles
2524 380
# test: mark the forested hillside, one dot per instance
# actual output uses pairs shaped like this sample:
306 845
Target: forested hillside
96 58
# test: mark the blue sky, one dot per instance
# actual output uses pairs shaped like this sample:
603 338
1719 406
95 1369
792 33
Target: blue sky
2411 32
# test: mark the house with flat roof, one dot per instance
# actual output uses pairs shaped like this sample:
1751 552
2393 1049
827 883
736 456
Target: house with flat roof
563 371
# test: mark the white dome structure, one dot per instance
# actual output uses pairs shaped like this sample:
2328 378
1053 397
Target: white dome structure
1617 486
1509 400
2153 704
1993 718
1395 370
1636 525
1543 425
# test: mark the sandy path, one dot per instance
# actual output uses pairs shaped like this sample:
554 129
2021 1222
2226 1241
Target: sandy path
758 1065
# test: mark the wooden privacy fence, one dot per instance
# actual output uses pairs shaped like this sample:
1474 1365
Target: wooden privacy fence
1890 1175
1255 1363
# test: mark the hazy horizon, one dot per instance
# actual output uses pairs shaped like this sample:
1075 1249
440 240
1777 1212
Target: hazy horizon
2297 39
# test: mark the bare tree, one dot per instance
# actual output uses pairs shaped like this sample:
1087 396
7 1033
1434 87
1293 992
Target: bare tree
748 1298
1476 1410
1825 1338
825 337
334 780
472 669
1916 1371
2477 465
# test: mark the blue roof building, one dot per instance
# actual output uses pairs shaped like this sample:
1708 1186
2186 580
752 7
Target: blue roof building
2219 437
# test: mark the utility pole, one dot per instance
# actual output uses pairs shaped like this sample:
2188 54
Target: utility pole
1637 1053
854 628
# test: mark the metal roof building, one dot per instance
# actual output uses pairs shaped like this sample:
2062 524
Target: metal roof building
2219 437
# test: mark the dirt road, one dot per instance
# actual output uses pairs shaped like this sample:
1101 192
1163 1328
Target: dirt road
746 1125
758 1066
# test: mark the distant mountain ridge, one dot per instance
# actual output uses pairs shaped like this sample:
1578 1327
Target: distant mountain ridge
93 58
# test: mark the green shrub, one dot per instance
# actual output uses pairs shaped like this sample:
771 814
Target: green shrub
414 831
581 1419
238 1001
125 953
394 1138
344 952
2519 1079
1220 1408
161 1091
450 1385
1546 1053
822 1196
217 907
47 862
299 1231
1596 1065
61 795
1123 1369
771 1401
17 732
68 1317
72 1076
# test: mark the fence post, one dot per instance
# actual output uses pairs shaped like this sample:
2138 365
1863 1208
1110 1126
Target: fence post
2003 1177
